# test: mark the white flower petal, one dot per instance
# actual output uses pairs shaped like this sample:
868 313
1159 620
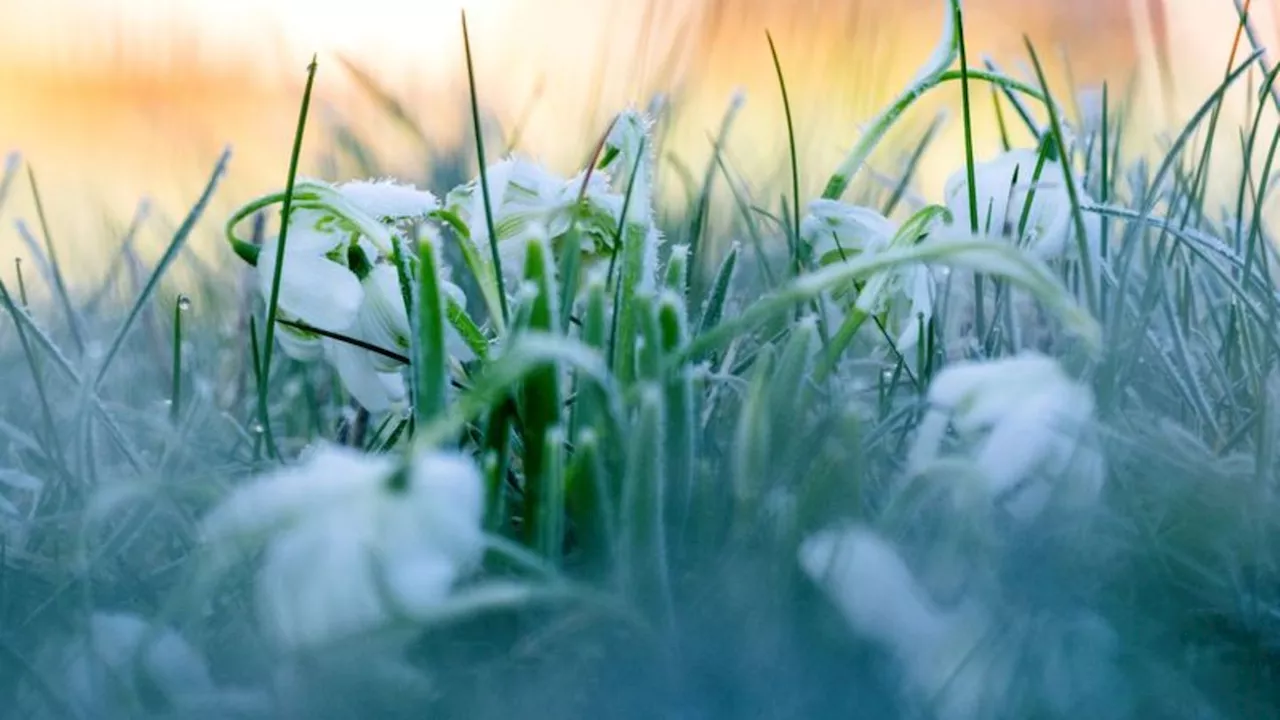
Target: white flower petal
417 581
383 321
316 582
450 492
329 475
376 391
368 545
835 230
314 289
1003 186
1022 418
299 344
873 588
313 231
119 655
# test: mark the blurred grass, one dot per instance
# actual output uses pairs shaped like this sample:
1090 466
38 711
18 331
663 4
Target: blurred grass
1181 565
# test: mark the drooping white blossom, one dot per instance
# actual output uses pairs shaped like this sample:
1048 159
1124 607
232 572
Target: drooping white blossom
524 198
1026 427
354 540
836 231
941 654
1004 185
338 277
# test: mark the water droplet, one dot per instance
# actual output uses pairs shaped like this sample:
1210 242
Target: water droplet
184 303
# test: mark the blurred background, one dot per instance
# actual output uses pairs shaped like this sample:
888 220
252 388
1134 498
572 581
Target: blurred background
110 101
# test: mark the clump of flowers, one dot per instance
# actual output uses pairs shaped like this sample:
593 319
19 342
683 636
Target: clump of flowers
339 281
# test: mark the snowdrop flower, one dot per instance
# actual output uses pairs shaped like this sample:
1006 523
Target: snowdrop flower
118 661
524 196
940 653
1004 185
1026 425
836 231
333 232
337 277
384 322
354 540
317 285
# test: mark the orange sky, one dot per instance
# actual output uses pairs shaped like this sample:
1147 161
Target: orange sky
114 99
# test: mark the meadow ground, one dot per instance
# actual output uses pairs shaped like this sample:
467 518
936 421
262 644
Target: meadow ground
554 446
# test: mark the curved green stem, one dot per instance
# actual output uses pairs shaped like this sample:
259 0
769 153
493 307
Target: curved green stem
943 55
934 73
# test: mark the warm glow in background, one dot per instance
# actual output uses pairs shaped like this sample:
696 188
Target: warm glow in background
113 100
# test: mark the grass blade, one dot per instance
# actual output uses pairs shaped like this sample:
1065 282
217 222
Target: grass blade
484 175
269 329
430 359
59 283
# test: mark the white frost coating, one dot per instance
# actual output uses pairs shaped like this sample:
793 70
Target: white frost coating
389 200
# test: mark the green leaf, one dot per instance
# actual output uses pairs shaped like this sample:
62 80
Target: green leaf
714 307
430 357
947 247
540 398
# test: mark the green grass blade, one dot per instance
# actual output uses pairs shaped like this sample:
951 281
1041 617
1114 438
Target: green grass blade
526 354
591 503
551 505
180 307
909 170
1073 192
53 444
676 277
269 327
985 256
972 184
794 226
570 274
430 358
681 413
701 213
643 555
943 55
540 401
484 176
713 309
